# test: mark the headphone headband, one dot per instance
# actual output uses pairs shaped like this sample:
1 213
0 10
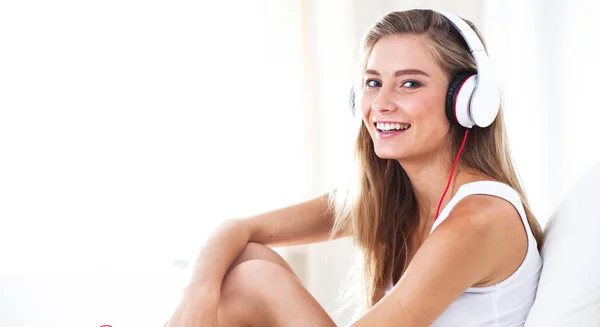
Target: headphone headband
466 31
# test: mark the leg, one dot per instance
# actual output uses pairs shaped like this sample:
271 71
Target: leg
261 293
258 251
236 310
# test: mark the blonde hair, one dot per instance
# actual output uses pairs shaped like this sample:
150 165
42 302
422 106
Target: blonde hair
379 209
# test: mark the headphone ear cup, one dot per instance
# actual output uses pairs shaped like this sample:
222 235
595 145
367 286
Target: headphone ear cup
454 108
352 102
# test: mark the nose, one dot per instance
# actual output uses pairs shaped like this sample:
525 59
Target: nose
383 102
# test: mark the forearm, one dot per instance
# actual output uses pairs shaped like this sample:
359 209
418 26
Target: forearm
218 253
302 223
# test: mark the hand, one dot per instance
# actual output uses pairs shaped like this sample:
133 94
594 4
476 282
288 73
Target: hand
198 308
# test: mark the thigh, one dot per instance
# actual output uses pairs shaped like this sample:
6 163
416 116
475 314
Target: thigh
262 293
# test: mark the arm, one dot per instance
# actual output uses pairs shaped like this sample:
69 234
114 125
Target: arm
303 223
471 247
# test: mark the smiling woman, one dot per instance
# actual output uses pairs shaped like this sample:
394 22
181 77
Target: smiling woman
129 129
424 88
409 79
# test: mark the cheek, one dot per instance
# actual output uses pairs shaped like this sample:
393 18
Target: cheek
364 104
431 121
437 130
429 109
365 112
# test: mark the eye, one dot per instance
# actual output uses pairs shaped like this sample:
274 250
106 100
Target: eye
372 83
411 84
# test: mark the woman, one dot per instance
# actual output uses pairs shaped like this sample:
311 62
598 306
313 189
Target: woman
468 259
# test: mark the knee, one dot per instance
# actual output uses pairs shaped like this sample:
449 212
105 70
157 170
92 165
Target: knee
247 293
252 278
255 250
241 302
259 251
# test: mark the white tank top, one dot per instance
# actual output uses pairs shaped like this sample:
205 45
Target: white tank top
508 302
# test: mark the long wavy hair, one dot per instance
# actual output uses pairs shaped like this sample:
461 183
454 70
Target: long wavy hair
379 208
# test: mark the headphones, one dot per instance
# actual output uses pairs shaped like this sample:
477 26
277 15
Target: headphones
473 99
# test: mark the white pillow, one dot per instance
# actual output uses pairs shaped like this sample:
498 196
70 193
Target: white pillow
569 289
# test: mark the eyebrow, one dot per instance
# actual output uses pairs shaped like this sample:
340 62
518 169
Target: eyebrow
399 72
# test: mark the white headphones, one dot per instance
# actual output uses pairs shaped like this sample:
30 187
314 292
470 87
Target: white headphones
472 99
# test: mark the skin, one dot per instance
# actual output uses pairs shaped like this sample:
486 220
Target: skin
482 242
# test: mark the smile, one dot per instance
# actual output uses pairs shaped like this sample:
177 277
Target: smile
391 127
387 130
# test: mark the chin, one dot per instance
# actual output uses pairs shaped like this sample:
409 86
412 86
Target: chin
387 154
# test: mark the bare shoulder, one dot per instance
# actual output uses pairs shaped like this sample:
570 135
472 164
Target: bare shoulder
485 211
495 225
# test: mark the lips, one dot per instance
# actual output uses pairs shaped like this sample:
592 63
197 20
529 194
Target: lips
389 134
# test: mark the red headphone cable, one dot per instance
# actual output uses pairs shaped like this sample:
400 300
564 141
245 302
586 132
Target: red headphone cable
452 172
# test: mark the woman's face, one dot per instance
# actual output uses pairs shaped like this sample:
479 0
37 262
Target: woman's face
403 99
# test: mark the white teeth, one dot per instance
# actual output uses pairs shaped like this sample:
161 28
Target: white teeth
391 126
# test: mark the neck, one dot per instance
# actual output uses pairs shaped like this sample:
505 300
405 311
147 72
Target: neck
429 179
